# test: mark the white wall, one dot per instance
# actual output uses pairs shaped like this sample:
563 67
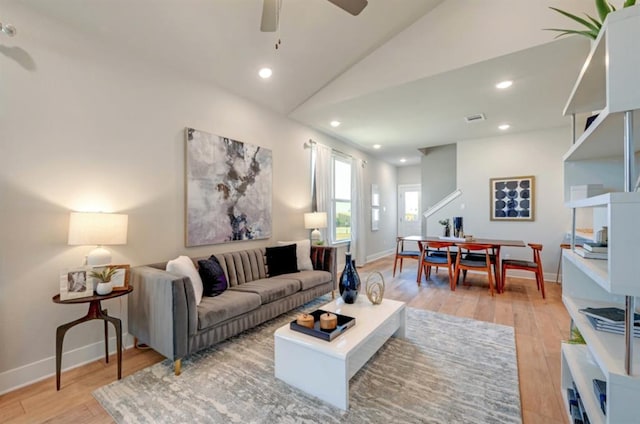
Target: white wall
409 174
383 241
537 153
438 166
84 126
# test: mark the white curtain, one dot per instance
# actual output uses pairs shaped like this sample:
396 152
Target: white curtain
323 186
358 226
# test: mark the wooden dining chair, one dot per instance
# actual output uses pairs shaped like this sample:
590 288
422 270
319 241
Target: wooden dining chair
433 256
479 257
480 262
402 254
535 267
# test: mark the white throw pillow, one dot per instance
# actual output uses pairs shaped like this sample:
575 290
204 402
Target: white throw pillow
183 265
303 253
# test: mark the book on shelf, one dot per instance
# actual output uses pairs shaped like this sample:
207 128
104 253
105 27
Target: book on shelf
595 247
591 255
600 389
610 314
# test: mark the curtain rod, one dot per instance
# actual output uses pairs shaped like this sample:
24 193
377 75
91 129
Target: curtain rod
311 143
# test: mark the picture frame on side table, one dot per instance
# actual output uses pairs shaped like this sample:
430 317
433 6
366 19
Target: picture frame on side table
512 198
75 283
119 280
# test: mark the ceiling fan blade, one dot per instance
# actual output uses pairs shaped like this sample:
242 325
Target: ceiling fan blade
270 14
352 6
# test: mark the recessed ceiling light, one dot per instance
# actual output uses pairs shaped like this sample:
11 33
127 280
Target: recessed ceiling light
265 73
504 84
334 123
403 160
504 127
376 146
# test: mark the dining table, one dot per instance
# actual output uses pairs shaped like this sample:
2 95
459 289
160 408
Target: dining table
496 245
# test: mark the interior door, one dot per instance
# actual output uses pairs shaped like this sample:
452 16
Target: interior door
409 216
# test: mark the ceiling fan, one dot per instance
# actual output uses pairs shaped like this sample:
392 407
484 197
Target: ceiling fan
271 11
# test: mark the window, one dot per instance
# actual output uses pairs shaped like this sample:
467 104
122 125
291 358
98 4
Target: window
341 198
411 206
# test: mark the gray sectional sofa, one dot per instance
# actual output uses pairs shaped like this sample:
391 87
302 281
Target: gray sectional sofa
163 313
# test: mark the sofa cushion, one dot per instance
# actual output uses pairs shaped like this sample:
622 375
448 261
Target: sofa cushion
230 304
214 281
309 279
270 289
281 260
183 266
303 253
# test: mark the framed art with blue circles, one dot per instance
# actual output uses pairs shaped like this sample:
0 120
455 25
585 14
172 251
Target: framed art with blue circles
512 198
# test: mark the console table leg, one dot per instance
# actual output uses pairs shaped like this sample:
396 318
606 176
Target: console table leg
59 339
106 342
119 347
117 324
60 332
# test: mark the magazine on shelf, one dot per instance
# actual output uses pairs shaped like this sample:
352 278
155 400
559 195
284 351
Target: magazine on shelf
611 315
612 328
595 247
591 255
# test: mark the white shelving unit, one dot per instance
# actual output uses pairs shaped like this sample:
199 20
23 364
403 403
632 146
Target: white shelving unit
607 83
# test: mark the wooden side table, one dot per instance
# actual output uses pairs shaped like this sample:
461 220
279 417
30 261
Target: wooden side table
95 312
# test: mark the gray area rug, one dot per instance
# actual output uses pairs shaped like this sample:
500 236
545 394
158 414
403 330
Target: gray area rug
448 370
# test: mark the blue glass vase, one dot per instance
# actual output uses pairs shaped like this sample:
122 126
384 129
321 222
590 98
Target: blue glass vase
458 231
349 281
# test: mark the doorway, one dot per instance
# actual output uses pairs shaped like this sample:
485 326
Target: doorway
409 216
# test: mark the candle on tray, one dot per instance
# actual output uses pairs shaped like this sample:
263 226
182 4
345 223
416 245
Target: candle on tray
306 320
328 321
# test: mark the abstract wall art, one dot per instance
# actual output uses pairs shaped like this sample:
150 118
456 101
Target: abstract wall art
228 190
512 199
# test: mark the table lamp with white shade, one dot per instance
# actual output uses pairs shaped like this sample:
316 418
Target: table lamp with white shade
314 221
97 228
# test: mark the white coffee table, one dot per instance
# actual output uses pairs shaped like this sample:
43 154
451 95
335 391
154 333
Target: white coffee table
323 369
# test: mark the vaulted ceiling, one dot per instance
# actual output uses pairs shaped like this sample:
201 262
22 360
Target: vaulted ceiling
402 74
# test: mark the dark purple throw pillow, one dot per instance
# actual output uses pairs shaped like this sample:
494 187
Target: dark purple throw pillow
281 260
214 281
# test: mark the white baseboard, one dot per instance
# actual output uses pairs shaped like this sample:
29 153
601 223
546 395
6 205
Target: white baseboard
380 255
31 373
549 277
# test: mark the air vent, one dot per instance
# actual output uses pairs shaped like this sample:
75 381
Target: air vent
475 118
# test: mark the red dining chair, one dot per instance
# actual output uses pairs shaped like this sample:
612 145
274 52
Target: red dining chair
432 256
463 264
534 266
402 254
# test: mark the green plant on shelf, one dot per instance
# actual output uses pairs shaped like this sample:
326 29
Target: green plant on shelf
576 337
591 24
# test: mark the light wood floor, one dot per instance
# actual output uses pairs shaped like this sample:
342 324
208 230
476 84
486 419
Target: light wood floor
539 324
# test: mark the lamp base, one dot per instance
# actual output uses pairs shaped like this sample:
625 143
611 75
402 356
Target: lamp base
316 237
99 256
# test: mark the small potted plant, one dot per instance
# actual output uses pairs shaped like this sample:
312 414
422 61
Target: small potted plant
591 25
104 279
446 230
